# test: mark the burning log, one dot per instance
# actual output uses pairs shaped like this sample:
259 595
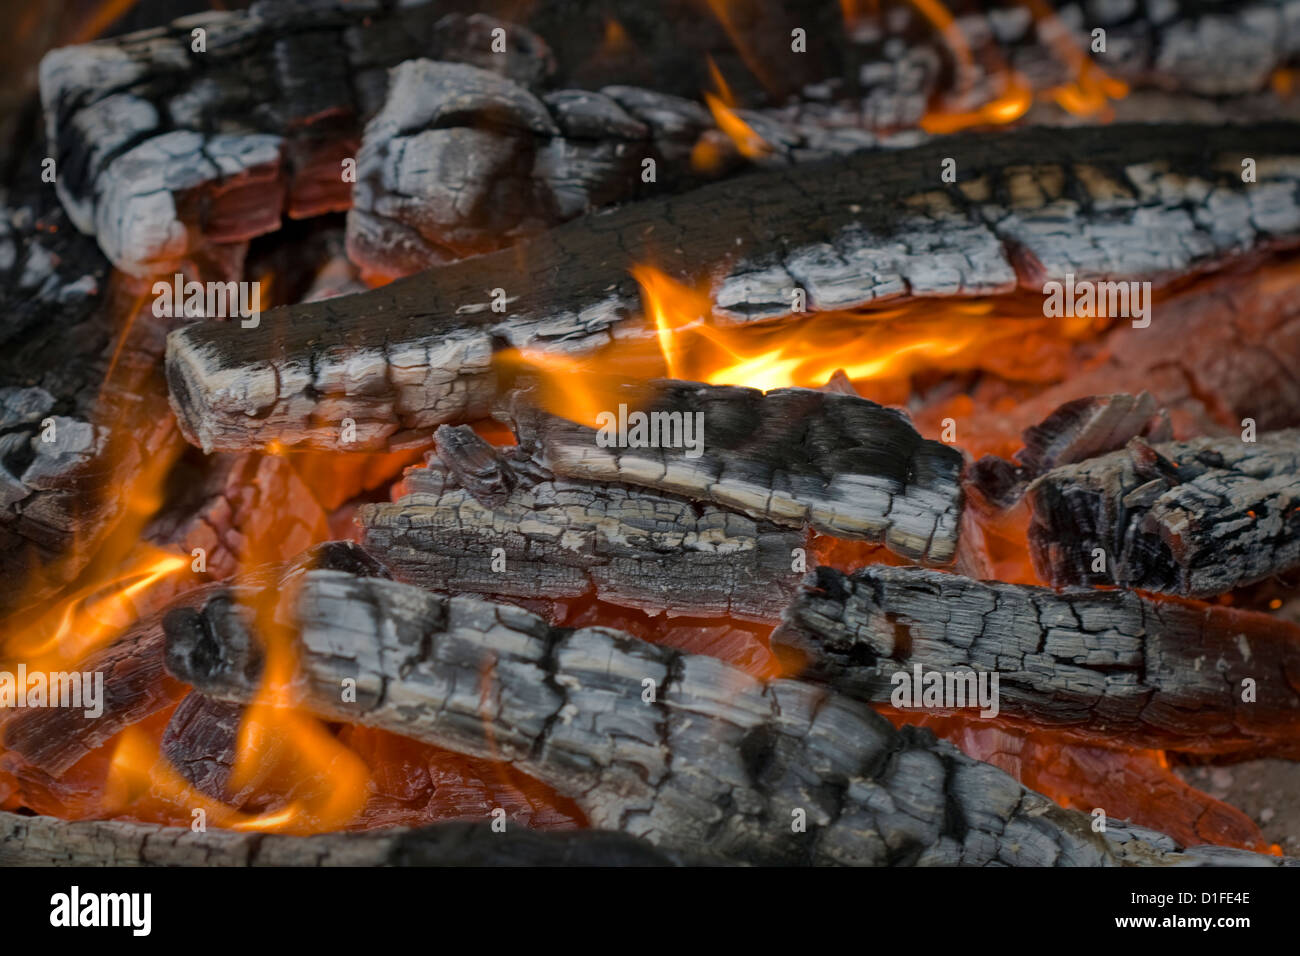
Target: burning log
162 146
683 750
844 465
417 353
1113 666
45 841
494 522
1195 518
135 685
412 784
1134 785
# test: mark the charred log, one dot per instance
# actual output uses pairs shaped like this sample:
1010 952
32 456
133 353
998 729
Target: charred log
1195 518
412 784
839 463
162 146
417 353
52 739
713 759
1134 785
45 841
1112 666
491 522
134 117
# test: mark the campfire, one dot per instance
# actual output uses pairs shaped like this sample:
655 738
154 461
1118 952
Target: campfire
733 433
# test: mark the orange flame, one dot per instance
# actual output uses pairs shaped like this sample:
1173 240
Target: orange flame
1008 106
747 142
91 617
871 345
1090 89
280 746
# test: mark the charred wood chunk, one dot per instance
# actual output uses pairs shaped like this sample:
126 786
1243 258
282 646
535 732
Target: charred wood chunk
134 685
484 521
55 332
1111 665
1194 518
162 146
200 742
462 161
46 841
841 464
685 751
417 352
1089 427
1079 429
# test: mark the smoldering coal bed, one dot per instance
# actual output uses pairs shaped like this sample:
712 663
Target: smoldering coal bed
621 414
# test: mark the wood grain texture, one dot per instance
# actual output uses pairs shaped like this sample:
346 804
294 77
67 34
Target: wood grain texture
793 456
1194 518
717 761
1112 667
481 521
45 841
1100 203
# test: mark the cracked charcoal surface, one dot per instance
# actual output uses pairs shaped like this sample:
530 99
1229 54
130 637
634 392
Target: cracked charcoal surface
1077 430
162 149
1194 518
839 463
46 841
461 161
165 148
59 331
1130 203
1109 666
717 763
565 538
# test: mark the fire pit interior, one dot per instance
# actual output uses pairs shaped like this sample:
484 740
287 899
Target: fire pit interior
704 432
